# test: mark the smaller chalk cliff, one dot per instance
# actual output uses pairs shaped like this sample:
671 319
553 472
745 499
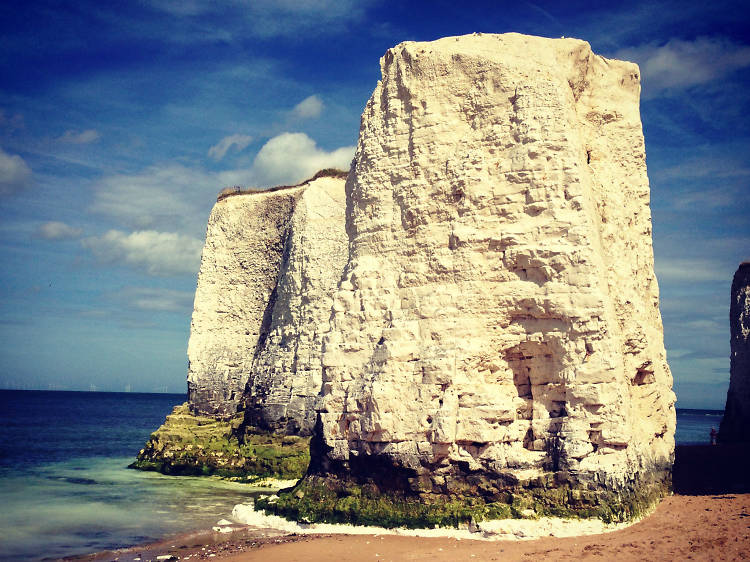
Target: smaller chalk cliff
236 292
735 426
287 372
269 267
496 335
270 264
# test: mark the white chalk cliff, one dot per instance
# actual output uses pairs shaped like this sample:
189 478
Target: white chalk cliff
268 270
498 319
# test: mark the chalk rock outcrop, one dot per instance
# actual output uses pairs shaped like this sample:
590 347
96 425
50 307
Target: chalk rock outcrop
735 426
269 267
497 324
287 373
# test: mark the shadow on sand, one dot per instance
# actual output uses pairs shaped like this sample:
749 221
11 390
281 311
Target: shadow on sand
711 469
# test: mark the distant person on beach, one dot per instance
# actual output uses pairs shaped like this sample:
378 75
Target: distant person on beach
713 436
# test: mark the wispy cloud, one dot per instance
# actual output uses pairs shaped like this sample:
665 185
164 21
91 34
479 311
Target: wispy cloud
688 270
236 143
11 122
15 174
308 108
167 197
56 230
83 137
155 253
267 18
678 64
157 299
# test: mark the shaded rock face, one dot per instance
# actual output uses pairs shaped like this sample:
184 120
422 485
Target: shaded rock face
497 323
734 425
269 267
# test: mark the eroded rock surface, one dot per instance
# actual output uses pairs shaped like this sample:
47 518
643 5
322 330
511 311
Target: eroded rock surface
268 271
287 371
235 295
736 421
498 321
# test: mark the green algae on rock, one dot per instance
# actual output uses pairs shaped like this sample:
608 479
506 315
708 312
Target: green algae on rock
192 445
323 500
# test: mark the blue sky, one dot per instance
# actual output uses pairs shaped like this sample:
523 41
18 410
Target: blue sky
121 121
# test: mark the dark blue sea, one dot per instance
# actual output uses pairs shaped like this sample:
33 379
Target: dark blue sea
65 488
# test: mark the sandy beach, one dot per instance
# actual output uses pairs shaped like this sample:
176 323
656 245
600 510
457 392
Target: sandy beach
708 518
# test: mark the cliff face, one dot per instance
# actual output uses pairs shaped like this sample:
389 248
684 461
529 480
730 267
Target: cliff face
235 295
269 267
734 425
498 323
287 372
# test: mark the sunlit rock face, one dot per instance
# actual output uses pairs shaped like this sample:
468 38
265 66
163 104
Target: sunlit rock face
268 271
498 321
734 425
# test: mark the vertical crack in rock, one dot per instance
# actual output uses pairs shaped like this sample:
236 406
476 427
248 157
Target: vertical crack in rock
497 324
287 373
734 425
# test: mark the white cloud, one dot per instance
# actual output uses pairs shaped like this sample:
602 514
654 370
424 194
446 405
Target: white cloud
55 230
84 137
15 174
239 142
148 298
292 157
680 64
308 108
156 253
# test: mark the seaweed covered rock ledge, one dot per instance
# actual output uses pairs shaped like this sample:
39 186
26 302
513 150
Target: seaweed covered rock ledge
192 445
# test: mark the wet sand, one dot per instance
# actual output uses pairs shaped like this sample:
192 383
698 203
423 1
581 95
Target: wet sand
707 519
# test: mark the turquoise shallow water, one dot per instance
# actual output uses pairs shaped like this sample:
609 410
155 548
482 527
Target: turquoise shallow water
85 505
65 488
64 485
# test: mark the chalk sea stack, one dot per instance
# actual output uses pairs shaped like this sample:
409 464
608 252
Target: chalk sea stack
496 336
469 328
269 267
734 425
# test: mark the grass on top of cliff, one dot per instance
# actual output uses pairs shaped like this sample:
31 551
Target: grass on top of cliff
192 445
324 173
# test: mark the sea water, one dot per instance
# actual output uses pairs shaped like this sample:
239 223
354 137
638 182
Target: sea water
694 426
65 488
